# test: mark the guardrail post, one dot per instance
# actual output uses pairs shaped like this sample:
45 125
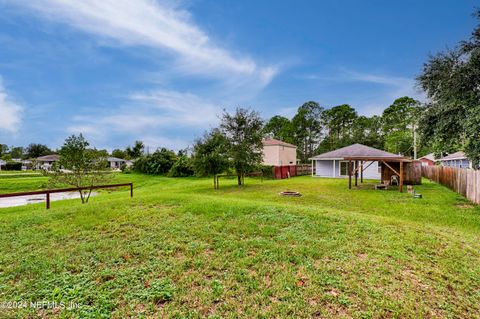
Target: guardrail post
48 200
131 189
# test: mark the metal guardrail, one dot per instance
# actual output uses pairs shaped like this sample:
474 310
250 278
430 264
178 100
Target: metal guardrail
63 190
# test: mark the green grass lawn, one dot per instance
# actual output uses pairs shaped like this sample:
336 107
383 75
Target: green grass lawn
183 250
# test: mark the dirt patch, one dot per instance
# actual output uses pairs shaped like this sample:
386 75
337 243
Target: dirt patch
465 206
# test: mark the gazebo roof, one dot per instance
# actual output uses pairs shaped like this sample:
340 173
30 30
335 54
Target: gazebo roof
357 151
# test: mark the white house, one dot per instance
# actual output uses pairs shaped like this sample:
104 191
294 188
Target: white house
333 164
116 163
46 162
457 159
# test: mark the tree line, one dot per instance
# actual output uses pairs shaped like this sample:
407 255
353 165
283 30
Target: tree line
315 129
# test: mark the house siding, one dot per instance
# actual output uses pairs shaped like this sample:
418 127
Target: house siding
331 168
279 155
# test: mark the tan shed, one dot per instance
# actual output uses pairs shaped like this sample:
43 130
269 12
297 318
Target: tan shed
279 153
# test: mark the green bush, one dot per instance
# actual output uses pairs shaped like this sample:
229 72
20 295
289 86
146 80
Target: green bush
13 166
159 162
181 168
267 170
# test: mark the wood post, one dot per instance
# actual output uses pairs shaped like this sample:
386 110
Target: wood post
401 177
48 200
356 173
349 174
131 189
361 172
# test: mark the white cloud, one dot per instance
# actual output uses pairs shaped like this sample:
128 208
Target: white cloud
372 102
148 114
10 112
156 25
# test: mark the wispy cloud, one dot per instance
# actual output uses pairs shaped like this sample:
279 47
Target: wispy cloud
147 114
156 25
371 102
10 112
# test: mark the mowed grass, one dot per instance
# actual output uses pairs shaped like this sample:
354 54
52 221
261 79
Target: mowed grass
180 249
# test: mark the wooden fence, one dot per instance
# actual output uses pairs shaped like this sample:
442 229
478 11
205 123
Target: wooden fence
47 192
287 171
463 181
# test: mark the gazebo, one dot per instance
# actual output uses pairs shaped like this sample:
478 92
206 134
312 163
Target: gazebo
385 161
358 161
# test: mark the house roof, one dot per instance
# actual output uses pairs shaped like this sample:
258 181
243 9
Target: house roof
272 141
115 159
454 156
430 157
355 150
48 158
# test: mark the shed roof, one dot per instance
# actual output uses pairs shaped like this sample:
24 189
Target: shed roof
430 157
49 158
272 141
454 156
356 151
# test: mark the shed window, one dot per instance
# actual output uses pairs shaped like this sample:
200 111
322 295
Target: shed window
344 168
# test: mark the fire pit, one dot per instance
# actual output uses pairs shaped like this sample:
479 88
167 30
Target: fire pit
290 194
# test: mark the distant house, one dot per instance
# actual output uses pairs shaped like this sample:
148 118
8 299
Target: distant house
279 153
116 163
457 159
428 160
333 164
2 164
46 162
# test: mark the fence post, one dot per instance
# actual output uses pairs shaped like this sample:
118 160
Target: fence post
48 200
131 189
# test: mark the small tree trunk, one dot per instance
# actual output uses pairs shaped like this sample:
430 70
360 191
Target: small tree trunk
89 193
214 181
239 179
81 196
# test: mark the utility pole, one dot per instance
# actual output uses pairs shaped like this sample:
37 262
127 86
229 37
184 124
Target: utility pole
414 142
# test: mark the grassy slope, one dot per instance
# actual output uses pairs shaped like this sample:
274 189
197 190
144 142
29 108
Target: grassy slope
181 249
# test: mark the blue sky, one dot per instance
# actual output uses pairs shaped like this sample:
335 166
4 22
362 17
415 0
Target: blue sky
161 71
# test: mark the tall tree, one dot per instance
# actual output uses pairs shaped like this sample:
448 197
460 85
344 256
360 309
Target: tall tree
3 149
16 152
79 166
281 128
35 150
339 123
451 80
136 151
399 121
307 128
210 155
244 131
368 131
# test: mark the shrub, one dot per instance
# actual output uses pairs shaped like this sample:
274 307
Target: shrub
181 168
159 162
13 166
267 170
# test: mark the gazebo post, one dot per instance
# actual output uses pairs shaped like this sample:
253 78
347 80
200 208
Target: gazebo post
356 173
401 177
361 171
350 174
